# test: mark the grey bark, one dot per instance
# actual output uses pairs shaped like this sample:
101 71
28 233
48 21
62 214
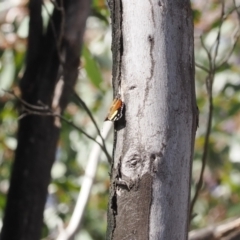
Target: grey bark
153 69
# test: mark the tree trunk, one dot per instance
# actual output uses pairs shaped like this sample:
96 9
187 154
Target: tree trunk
153 69
38 135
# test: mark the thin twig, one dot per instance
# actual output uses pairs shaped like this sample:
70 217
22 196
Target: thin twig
204 156
51 114
92 118
218 35
24 103
208 53
201 67
28 112
78 128
236 36
94 122
235 8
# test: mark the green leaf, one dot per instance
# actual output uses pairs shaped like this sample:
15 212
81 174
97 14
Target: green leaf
196 15
92 68
100 10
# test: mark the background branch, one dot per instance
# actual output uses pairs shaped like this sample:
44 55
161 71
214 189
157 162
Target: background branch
90 172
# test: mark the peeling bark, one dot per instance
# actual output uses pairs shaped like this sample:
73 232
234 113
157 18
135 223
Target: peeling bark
153 66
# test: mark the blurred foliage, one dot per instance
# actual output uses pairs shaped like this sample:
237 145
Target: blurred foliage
94 87
220 196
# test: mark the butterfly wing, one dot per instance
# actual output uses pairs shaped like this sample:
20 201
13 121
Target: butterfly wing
115 112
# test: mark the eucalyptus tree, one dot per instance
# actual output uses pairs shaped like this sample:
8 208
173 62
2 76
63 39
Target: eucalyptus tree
153 75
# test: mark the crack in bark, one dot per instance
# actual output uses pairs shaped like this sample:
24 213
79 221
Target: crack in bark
151 41
152 12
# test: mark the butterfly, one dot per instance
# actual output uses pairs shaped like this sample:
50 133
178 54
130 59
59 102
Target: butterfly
115 112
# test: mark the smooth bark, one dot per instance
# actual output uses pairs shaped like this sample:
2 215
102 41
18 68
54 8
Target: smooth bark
38 135
153 69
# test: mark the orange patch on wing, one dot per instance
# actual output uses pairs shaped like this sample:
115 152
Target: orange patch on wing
115 112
